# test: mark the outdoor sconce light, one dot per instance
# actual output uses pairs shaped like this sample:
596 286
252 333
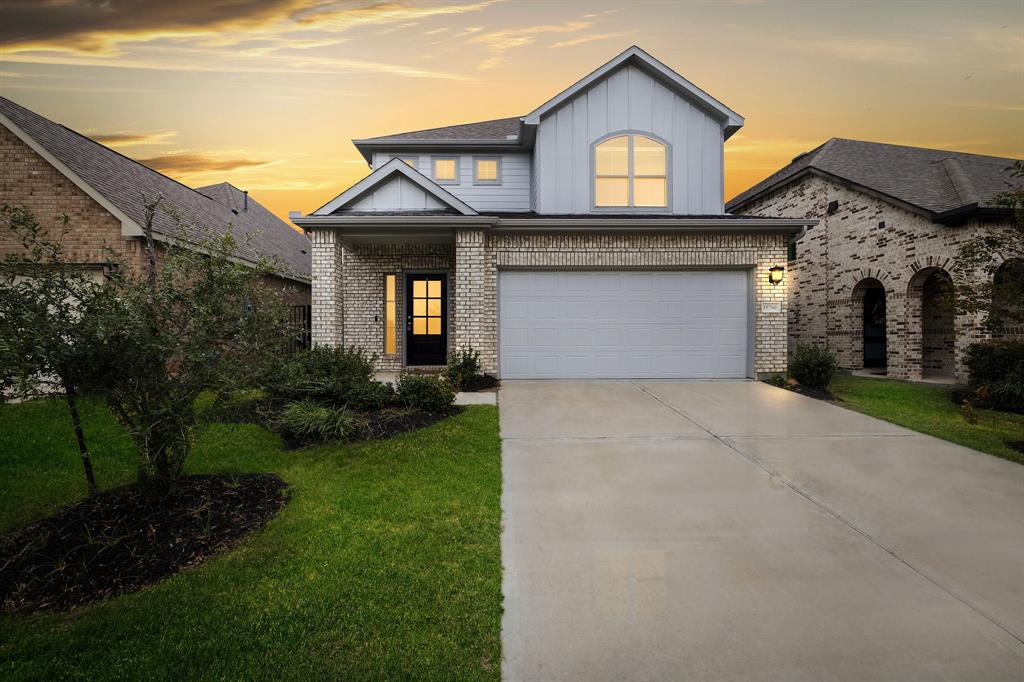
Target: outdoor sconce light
775 274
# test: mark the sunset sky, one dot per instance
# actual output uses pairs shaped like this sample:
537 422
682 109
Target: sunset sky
267 94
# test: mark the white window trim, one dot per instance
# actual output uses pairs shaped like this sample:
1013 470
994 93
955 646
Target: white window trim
478 181
630 208
458 169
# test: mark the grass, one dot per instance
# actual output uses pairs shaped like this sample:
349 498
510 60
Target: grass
384 565
928 408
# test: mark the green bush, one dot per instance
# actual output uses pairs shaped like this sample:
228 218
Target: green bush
338 377
778 380
463 367
812 365
427 392
310 422
244 406
996 373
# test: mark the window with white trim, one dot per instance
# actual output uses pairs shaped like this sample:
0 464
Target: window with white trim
630 171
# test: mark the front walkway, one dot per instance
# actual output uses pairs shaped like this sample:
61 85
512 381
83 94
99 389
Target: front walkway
662 530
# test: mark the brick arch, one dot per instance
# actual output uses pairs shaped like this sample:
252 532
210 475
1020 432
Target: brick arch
857 277
931 333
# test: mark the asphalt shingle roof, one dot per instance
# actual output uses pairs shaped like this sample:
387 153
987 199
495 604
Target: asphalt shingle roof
125 182
496 129
931 179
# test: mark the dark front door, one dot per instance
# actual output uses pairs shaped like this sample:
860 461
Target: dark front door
426 319
874 328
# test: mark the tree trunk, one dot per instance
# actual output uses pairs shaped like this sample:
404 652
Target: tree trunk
76 421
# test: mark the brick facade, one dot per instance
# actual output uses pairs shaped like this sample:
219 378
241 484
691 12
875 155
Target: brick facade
868 241
473 261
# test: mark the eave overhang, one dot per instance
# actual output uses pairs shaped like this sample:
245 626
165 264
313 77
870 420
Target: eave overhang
392 228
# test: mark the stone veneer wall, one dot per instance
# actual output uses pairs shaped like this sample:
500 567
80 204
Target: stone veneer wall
473 263
849 246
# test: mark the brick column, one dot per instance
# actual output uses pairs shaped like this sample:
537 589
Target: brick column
770 330
476 324
327 289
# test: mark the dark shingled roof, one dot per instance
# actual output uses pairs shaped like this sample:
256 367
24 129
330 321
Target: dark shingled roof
125 182
934 180
497 129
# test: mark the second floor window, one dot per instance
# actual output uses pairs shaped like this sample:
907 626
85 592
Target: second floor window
446 169
630 172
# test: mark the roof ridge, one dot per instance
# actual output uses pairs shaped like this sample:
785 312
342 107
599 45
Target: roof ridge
962 185
453 125
926 149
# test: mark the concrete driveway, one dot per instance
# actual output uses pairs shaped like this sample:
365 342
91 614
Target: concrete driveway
673 530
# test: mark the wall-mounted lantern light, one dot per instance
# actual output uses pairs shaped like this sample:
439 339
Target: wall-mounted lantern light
775 274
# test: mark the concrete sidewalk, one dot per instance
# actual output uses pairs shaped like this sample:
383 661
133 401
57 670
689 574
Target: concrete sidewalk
730 530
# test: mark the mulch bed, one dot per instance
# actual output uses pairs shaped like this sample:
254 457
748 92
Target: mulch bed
484 382
816 393
125 539
1017 445
385 423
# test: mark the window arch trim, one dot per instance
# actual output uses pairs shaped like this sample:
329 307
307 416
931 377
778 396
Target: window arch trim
667 208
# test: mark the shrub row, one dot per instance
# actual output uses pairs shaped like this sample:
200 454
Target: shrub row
996 373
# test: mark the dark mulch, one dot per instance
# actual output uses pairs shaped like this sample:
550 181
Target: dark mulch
383 423
392 422
484 382
125 539
1017 445
816 393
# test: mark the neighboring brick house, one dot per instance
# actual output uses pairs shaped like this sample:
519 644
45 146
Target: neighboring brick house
53 170
871 278
584 239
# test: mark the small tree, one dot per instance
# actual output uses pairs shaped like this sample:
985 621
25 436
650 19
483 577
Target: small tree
52 322
979 259
197 320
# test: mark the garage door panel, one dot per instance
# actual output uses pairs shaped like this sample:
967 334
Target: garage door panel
623 324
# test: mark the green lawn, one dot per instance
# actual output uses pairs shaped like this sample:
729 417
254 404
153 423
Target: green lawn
927 408
384 565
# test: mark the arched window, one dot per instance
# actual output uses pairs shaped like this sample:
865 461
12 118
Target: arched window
630 172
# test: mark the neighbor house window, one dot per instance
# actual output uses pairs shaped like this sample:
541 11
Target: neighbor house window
390 315
486 171
409 160
446 169
630 171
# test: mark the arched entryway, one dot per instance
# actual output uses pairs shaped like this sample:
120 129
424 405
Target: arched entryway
933 306
1007 315
869 307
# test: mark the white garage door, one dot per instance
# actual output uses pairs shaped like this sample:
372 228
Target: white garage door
677 324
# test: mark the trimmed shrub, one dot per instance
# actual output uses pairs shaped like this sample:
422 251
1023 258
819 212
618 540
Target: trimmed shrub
310 422
463 368
339 377
427 392
996 373
812 365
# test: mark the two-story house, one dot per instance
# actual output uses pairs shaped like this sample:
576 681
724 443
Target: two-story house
587 238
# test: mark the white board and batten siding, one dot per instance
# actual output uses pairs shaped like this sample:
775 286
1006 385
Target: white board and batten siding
512 194
396 194
628 99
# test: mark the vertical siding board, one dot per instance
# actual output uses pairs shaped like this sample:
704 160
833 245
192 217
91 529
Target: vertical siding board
641 100
581 156
597 110
664 109
565 179
618 100
546 169
681 194
694 156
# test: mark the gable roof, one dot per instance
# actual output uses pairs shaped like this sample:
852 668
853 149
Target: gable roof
932 181
634 55
517 132
120 184
383 175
